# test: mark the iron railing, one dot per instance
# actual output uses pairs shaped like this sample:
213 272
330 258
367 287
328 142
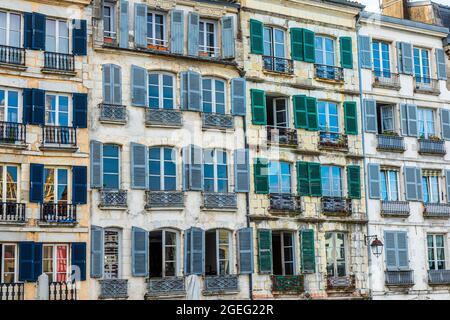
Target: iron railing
113 289
217 121
290 284
113 198
12 212
164 199
12 132
63 290
285 202
437 277
329 72
436 210
164 117
426 85
166 286
12 55
221 284
216 200
113 113
395 208
336 206
208 51
281 65
59 135
391 143
431 146
399 278
333 140
382 79
58 212
59 61
341 283
282 136
12 291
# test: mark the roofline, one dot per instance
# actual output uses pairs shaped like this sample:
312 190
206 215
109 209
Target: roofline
346 3
228 3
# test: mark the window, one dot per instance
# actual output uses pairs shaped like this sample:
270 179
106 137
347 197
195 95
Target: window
208 38
8 183
9 106
213 96
430 187
57 110
56 185
279 177
389 185
425 121
325 54
328 116
386 114
111 165
55 261
335 249
156 29
381 59
331 181
274 49
109 21
215 171
422 65
436 251
162 169
10 29
277 112
163 249
8 263
283 253
111 247
217 252
161 91
56 36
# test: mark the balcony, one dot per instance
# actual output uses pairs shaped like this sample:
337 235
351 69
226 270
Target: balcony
345 283
432 147
163 117
282 136
164 199
386 80
11 291
395 208
393 143
439 277
208 52
278 65
221 284
61 213
12 212
12 133
292 284
400 278
59 137
426 85
59 62
214 200
113 289
217 121
170 286
12 56
62 290
333 141
113 199
113 113
285 203
336 206
436 210
329 73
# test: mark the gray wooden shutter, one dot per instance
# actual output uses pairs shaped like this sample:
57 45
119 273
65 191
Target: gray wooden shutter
410 183
194 93
404 119
123 29
116 79
370 110
184 90
177 31
138 86
139 252
374 180
193 33
139 166
107 83
407 58
419 184
390 239
447 180
412 121
185 153
238 96
445 124
241 171
197 251
140 25
96 252
245 250
399 57
228 41
196 168
440 64
365 52
402 250
187 252
96 155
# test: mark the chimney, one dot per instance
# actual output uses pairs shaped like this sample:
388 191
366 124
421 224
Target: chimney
395 8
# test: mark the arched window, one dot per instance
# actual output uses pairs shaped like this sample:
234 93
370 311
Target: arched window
217 252
163 251
161 90
213 95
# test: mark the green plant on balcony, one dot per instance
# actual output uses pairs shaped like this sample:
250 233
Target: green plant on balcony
390 133
433 138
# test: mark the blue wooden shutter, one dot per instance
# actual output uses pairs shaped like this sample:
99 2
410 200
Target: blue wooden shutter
447 180
196 168
228 40
27 116
28 30
36 182
404 119
138 86
97 252
370 112
419 184
245 249
238 96
26 261
38 39
79 37
412 120
124 27
265 251
365 52
197 251
194 93
445 123
407 58
241 171
38 97
193 33
184 90
440 64
37 267
140 25
139 252
373 170
80 101
399 57
116 84
390 239
79 258
410 183
402 251
177 31
96 156
307 252
107 83
79 185
187 252
139 166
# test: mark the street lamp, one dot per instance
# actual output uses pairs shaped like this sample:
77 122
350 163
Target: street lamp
376 245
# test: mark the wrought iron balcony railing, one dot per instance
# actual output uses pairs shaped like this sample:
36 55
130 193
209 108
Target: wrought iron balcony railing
217 121
346 283
113 289
12 212
426 85
59 61
282 136
280 65
113 113
164 117
12 132
285 202
436 210
333 140
438 277
336 206
215 200
329 72
291 284
391 143
395 208
169 286
12 291
63 290
209 51
164 199
431 146
59 136
399 278
58 212
12 55
221 284
113 199
385 79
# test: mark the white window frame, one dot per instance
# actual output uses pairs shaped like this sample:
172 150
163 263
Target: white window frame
119 252
280 175
55 260
112 21
7 107
119 159
283 247
334 252
275 112
273 42
57 108
16 262
214 92
421 112
161 89
330 171
324 51
385 172
160 42
434 248
58 37
425 76
56 183
380 50
8 28
327 115
217 247
4 181
206 48
215 168
383 116
430 189
162 161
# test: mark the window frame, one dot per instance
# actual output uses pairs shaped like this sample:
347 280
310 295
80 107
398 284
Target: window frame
57 35
204 48
425 78
279 175
119 252
8 28
161 75
324 51
421 113
2 262
215 170
434 248
56 184
331 177
217 247
6 107
429 188
112 33
273 43
382 71
4 182
214 93
119 160
327 115
383 109
54 260
57 110
284 262
386 173
334 235
162 162
153 41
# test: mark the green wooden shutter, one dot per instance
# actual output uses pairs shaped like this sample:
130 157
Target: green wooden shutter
354 182
265 250
307 251
300 114
311 109
309 53
350 116
256 36
297 51
346 52
315 179
303 186
260 169
259 115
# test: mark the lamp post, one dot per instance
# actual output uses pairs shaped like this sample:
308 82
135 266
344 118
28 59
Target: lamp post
376 245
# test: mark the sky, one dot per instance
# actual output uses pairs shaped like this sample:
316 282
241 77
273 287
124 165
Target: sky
372 5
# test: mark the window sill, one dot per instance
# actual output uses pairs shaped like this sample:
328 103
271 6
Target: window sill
59 72
115 208
13 223
164 208
116 122
219 293
14 145
64 148
164 296
218 209
330 81
57 224
12 66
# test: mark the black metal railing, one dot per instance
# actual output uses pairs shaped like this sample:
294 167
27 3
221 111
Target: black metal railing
113 198
341 283
12 291
12 212
329 72
12 55
432 146
163 117
426 85
333 140
384 79
399 278
220 284
217 121
395 208
282 136
216 200
281 65
58 212
166 286
59 135
113 113
290 284
113 289
391 143
59 61
164 199
436 210
12 132
62 290
285 202
437 277
336 205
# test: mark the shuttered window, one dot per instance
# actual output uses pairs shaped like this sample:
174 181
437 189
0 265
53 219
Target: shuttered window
350 117
258 100
9 191
279 177
8 259
354 182
111 166
215 178
346 47
161 91
56 36
283 262
109 21
217 252
265 251
164 248
389 185
256 37
396 250
162 169
309 181
331 181
213 95
307 251
261 178
156 29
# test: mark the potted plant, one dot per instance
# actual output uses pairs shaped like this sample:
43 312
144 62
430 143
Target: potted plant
390 133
